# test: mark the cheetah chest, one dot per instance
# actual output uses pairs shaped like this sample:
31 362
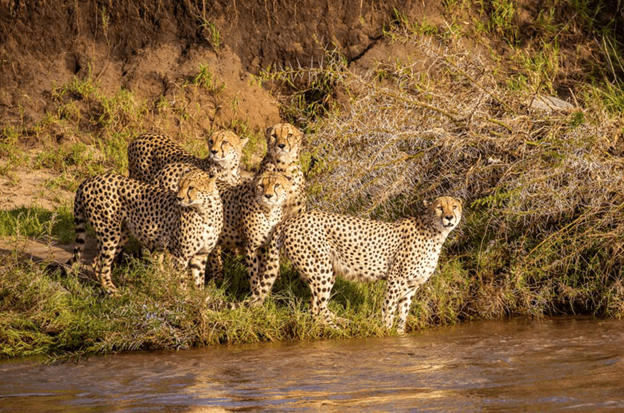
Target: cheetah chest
261 225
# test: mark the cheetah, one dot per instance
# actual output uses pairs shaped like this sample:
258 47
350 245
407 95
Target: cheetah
321 245
251 212
187 223
283 145
169 176
149 153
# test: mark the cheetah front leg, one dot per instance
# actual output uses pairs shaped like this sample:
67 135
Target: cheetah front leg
405 301
180 264
404 305
399 295
394 289
268 273
252 261
321 281
215 266
319 306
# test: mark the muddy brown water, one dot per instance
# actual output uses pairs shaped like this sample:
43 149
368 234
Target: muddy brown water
561 364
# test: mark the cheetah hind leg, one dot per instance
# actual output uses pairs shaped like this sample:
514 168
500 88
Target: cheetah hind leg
318 305
102 268
115 238
122 255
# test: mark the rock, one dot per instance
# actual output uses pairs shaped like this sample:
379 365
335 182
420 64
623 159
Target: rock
550 104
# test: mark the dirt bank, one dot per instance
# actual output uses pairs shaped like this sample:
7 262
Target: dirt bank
153 49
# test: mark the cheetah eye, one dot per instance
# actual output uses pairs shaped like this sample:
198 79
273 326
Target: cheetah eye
454 207
210 141
289 135
439 208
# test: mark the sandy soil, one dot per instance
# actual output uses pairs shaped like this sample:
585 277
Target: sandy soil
25 188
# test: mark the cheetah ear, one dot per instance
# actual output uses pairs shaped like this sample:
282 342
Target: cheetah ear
268 131
426 203
244 141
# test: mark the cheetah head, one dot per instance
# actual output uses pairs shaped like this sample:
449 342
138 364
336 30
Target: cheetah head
284 141
195 186
225 147
271 190
445 213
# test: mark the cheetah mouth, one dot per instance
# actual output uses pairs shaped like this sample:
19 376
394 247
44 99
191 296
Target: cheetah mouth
284 153
268 205
220 158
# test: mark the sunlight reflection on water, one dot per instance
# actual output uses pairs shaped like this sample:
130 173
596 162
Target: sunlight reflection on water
517 365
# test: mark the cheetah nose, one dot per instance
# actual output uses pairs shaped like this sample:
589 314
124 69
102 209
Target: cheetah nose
213 152
281 145
268 196
449 217
180 198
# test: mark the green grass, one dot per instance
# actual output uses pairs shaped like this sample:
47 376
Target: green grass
206 79
10 152
51 314
212 34
36 222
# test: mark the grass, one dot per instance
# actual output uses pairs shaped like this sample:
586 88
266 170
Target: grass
212 34
543 191
50 314
206 79
36 222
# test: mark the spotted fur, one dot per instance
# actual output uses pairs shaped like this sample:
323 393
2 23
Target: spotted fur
169 176
321 245
251 212
149 153
283 145
187 223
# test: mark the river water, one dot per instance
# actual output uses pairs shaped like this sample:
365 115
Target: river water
560 364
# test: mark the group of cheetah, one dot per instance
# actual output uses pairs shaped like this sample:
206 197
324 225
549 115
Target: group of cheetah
193 208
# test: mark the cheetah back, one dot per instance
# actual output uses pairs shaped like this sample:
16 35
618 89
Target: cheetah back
148 154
